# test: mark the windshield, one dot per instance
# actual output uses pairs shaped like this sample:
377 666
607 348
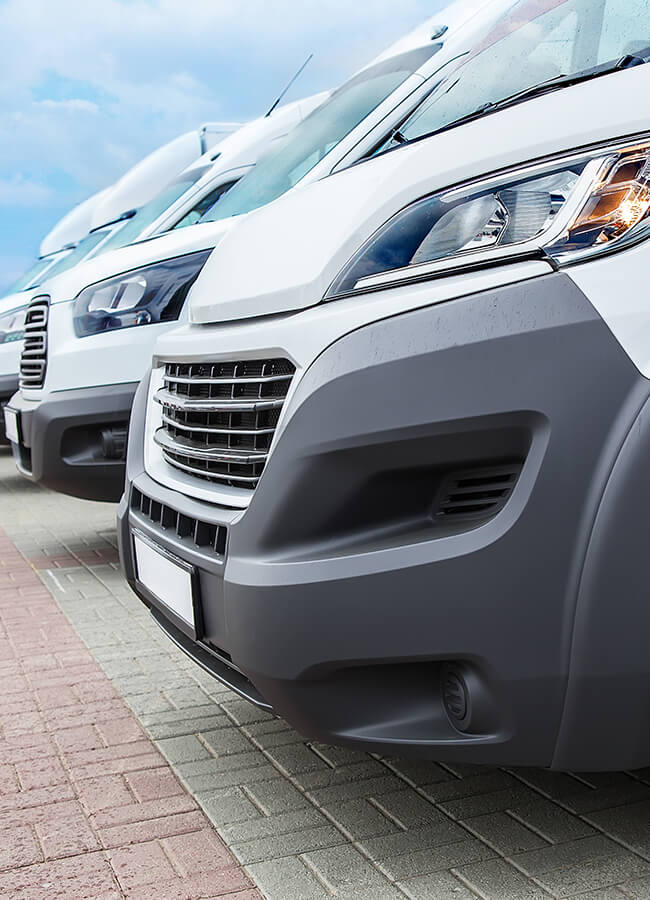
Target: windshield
319 133
534 42
81 251
152 210
33 273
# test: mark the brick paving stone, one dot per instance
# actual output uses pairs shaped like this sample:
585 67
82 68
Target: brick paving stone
18 847
311 821
89 808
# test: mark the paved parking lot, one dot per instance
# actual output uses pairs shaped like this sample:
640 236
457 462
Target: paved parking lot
303 820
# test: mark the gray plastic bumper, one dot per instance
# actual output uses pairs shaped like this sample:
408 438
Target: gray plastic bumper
75 441
354 607
8 387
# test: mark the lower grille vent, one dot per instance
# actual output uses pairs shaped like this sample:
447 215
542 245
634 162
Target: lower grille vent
478 493
33 360
204 535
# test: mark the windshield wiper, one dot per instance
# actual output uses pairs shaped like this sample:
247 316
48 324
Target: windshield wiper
545 87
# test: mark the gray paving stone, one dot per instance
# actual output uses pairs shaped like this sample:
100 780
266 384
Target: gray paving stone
419 772
595 874
362 820
243 713
287 879
226 741
183 727
551 821
469 786
267 826
630 824
345 775
345 871
390 845
277 796
508 835
228 807
215 781
184 749
352 790
436 886
435 859
279 845
639 889
495 879
482 804
408 808
586 850
297 758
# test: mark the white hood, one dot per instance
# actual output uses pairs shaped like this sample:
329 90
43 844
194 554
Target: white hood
285 256
13 301
73 226
148 177
68 284
254 139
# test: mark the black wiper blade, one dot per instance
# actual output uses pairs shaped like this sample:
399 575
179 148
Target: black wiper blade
546 87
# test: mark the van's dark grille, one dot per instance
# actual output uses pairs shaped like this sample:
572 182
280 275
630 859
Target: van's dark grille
33 360
218 419
204 535
477 493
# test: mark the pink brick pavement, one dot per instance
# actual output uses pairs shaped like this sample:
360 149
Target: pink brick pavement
88 806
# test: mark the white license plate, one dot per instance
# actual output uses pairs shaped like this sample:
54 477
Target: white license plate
11 425
167 578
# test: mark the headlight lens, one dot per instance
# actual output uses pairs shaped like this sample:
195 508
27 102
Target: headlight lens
568 210
144 296
12 325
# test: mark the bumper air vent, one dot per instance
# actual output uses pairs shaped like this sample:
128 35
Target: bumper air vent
478 493
219 419
203 535
33 360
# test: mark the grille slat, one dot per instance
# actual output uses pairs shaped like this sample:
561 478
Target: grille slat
173 401
33 360
218 419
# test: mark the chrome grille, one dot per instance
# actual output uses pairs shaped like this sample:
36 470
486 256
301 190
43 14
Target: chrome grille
218 419
33 360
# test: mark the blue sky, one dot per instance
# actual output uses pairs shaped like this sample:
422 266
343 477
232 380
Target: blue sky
88 89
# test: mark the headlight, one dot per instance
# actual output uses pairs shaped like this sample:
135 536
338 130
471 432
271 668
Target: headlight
567 210
144 296
12 325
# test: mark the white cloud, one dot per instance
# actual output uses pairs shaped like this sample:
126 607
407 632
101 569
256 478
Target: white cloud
20 191
87 89
61 107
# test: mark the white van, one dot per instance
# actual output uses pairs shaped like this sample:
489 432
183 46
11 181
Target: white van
406 509
86 346
85 231
56 245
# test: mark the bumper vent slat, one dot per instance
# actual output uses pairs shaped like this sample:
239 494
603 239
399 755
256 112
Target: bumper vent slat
203 535
478 493
33 360
219 419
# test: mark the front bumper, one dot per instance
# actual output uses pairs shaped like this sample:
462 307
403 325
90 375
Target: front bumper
8 387
74 441
346 602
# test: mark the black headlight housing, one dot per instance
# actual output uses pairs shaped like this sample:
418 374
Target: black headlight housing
144 296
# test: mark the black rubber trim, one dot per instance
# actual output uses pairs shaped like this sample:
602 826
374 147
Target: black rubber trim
210 662
8 387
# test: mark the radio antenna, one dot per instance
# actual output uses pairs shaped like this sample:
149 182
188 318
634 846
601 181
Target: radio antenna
291 83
